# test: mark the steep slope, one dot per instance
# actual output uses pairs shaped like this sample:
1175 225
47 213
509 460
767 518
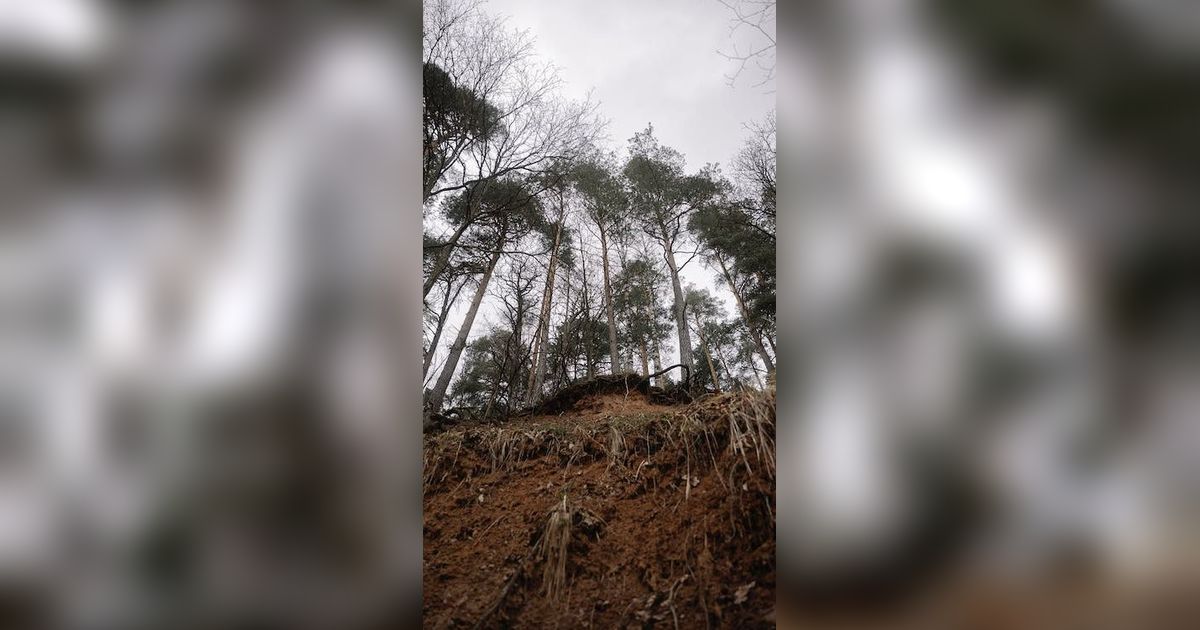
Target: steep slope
615 512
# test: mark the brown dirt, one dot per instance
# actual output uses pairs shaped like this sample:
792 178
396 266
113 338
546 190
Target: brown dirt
595 407
646 548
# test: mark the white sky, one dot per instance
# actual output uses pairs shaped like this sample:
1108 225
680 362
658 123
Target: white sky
649 61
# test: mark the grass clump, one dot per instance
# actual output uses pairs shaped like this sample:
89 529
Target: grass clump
563 522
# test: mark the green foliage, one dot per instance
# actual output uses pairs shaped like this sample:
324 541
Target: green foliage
726 232
502 196
453 111
702 306
494 365
575 340
731 350
640 317
660 193
453 117
601 190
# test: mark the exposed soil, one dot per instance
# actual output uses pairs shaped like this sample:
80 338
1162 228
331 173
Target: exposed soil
614 512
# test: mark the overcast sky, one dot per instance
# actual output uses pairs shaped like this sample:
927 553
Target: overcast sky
649 61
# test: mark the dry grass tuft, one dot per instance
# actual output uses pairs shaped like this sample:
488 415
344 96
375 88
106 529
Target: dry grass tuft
736 427
551 549
743 421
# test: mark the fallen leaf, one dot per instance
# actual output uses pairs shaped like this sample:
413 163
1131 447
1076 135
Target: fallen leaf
739 596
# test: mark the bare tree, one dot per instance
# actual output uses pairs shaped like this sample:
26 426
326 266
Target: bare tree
753 23
754 171
519 124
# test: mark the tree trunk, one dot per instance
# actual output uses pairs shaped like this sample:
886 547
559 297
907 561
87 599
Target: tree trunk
443 259
568 332
645 360
629 352
608 303
487 411
460 343
707 355
754 332
711 369
513 359
685 339
725 366
585 337
538 369
447 301
658 380
754 370
648 310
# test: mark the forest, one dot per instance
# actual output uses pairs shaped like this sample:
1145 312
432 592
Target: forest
580 244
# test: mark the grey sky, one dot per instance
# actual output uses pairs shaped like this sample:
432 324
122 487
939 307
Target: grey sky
649 61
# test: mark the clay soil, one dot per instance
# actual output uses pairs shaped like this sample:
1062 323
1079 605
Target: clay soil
670 512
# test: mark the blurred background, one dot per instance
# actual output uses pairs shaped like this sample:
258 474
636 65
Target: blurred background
992 403
208 339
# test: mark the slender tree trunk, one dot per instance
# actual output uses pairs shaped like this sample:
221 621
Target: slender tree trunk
447 301
534 348
513 365
443 259
645 360
655 348
585 336
657 356
487 411
621 248
608 303
685 339
725 366
460 343
538 369
754 332
707 355
754 370
568 331
711 369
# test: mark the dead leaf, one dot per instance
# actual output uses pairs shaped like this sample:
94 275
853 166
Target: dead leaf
739 596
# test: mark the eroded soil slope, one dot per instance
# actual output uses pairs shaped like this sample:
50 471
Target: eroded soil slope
617 512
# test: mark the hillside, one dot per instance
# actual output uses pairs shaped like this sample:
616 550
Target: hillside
608 507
